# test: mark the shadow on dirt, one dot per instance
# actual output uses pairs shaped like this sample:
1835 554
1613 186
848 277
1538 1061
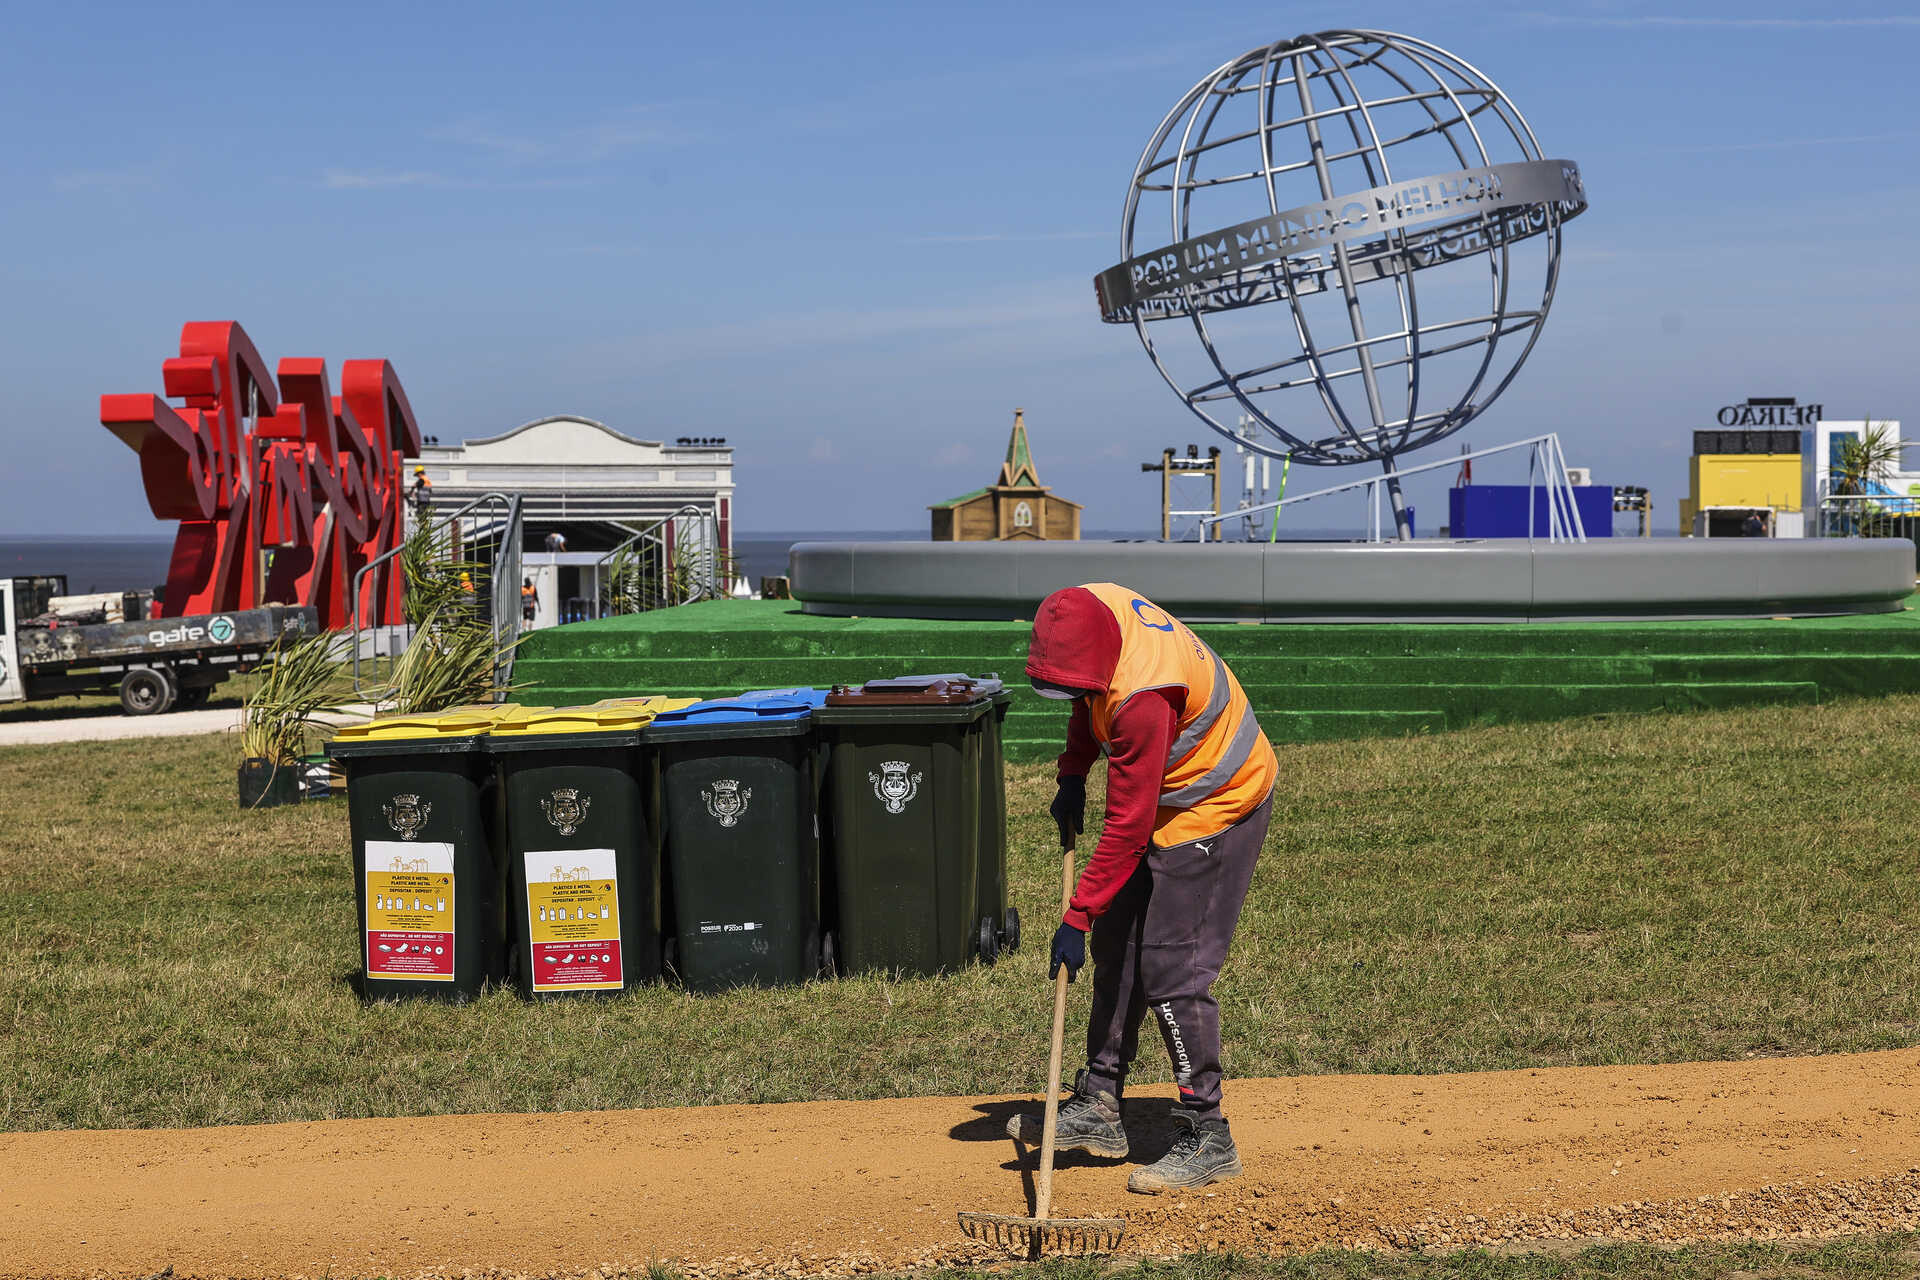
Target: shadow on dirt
1149 1123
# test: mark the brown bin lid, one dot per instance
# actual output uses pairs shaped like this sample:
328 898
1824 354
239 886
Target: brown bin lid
907 691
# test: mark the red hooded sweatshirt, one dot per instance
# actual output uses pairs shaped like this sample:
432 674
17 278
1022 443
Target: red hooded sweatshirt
1076 644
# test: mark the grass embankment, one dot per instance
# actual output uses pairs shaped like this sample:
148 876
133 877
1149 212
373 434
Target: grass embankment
1629 890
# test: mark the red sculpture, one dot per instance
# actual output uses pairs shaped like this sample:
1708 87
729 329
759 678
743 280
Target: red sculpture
251 466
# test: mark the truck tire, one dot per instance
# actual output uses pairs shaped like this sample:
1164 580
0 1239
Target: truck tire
193 696
146 691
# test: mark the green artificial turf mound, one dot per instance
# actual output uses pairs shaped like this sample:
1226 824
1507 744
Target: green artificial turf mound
1308 683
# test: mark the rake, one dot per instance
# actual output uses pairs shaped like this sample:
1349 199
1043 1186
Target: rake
1040 1233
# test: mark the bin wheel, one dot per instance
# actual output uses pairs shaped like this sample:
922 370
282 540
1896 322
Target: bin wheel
145 691
829 954
989 941
1010 930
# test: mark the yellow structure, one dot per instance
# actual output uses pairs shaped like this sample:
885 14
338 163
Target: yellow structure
1756 480
1016 506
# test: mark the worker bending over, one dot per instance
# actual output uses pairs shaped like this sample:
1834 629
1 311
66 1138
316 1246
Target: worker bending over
1189 792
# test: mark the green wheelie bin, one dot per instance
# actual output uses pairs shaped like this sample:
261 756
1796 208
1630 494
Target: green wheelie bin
421 809
905 808
998 930
583 872
741 839
999 921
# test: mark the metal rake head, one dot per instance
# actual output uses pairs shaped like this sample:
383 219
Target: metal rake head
1037 1236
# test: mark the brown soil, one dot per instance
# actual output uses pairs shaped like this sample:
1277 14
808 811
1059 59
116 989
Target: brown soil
1773 1148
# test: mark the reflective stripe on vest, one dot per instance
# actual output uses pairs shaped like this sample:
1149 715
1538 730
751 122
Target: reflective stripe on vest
1216 707
1246 735
1157 651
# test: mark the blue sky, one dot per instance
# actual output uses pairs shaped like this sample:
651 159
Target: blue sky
852 238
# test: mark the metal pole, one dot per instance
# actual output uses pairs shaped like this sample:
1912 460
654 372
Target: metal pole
1402 525
1533 457
1213 465
1355 318
1555 524
1577 525
1166 495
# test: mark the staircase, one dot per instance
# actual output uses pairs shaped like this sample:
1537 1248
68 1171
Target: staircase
1307 683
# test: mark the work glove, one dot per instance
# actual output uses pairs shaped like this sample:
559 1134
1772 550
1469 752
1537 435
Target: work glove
1069 949
1069 809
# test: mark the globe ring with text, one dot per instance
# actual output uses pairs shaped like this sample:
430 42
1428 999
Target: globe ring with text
1388 199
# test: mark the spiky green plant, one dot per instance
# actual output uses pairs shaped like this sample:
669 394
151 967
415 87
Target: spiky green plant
438 579
1860 463
1866 459
452 660
699 572
300 680
629 585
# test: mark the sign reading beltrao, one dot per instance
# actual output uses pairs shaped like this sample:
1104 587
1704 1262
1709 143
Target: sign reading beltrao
1776 412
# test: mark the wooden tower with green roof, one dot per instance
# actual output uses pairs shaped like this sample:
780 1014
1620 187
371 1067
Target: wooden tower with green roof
1015 506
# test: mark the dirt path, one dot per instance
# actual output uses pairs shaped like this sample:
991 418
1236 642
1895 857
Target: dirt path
1783 1147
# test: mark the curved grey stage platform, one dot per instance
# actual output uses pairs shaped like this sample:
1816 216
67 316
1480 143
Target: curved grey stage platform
1498 580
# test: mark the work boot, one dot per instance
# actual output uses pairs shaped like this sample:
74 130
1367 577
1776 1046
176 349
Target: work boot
1202 1153
1088 1121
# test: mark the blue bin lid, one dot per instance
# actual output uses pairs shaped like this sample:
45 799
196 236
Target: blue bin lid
758 706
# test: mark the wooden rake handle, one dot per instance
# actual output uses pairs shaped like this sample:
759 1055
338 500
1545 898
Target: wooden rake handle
1043 1189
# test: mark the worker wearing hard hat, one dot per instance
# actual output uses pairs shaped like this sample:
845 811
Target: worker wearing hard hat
1189 793
420 492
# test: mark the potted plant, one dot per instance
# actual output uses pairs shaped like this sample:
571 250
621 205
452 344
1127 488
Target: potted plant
299 681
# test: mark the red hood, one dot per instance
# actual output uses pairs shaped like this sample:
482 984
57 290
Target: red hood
1075 643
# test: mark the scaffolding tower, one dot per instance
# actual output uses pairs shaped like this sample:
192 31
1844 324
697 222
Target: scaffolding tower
1191 467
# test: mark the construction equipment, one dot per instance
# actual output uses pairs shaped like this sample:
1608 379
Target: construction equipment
1041 1234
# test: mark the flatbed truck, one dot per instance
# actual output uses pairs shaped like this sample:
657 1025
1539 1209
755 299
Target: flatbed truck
154 664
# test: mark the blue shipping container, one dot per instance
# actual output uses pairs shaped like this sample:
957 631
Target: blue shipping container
1500 510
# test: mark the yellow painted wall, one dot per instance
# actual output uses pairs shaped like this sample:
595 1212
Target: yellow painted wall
1745 480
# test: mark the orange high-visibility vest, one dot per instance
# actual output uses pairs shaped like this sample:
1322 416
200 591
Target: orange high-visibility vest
1220 767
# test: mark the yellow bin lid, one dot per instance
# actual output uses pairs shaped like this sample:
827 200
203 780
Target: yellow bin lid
654 704
598 718
455 722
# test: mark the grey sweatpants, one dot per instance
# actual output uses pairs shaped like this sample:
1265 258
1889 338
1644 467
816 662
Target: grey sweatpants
1158 948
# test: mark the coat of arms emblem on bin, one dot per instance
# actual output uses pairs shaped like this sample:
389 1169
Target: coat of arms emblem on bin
895 787
727 800
566 809
406 814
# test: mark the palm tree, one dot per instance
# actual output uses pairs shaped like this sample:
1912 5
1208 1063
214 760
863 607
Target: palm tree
1867 458
1864 462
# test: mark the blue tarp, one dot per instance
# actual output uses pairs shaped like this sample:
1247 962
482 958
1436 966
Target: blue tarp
1500 510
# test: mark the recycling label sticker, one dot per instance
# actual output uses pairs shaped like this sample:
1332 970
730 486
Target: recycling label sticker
409 925
573 918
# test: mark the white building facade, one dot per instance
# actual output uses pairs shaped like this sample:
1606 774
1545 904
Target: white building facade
592 486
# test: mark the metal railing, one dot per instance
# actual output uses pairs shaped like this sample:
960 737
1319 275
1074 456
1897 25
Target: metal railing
1544 459
492 540
675 560
1871 515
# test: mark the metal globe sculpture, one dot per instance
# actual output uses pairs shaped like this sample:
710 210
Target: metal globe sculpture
1395 205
